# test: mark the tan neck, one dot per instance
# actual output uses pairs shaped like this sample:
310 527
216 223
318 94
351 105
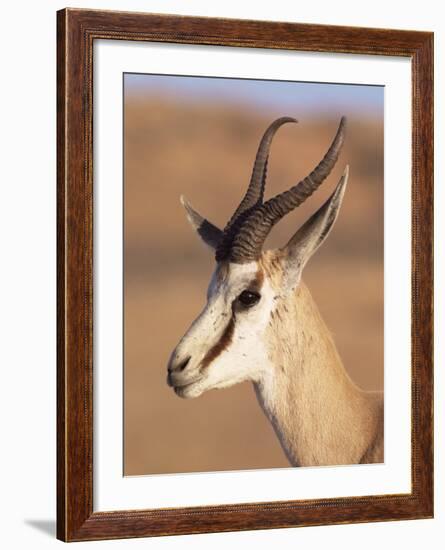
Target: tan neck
320 416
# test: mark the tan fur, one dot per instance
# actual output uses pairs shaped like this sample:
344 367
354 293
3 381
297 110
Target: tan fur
320 416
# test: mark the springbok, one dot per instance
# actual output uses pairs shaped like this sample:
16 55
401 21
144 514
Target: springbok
261 324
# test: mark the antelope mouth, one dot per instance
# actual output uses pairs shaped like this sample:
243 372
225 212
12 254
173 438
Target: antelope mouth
184 388
188 389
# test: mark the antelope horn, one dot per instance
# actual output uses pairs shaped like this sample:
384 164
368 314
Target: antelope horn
255 192
252 232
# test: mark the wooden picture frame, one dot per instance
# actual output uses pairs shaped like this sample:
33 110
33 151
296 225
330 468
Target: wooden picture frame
76 32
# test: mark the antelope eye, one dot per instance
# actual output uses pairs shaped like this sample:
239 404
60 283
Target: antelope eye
249 298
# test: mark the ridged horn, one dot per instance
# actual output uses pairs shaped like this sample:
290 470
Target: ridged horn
255 191
249 238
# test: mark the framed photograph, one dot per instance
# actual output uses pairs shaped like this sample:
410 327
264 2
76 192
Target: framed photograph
243 206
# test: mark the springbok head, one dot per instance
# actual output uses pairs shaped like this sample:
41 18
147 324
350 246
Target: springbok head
226 344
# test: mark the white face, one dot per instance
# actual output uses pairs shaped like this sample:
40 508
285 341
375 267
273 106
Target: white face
224 345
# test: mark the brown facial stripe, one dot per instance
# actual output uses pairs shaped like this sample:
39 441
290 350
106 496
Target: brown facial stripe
227 335
223 343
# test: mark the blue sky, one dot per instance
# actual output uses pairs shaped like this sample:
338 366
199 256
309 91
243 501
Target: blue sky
273 96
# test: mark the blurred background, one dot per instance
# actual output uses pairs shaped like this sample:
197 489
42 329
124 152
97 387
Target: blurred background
198 137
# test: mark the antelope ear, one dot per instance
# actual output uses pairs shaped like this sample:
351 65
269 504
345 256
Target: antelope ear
314 232
208 232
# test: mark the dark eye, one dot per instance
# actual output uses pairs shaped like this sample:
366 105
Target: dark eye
249 298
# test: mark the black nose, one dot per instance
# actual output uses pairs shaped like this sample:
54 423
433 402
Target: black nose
180 366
